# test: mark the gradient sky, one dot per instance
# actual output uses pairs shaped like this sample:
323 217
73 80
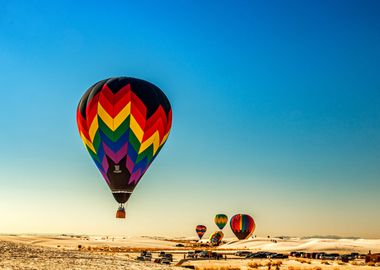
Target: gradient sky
276 113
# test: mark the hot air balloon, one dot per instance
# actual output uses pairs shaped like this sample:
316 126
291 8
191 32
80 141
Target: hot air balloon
216 238
123 123
221 220
200 229
242 226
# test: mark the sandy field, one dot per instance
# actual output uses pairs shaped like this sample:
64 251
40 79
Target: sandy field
18 255
290 264
106 252
307 245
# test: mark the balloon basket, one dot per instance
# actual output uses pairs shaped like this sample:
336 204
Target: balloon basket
120 213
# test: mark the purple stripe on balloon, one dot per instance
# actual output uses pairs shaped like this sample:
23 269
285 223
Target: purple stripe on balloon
116 157
104 173
130 164
105 164
135 177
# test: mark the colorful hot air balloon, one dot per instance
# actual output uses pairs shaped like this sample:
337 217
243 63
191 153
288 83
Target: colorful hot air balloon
200 229
242 226
221 220
216 238
123 122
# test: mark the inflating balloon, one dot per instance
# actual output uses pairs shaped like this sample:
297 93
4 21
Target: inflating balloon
123 122
216 238
242 226
221 220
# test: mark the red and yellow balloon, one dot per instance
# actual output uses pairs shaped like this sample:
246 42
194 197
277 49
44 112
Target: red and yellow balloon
124 123
242 226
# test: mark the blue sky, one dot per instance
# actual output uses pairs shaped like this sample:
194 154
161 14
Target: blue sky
275 113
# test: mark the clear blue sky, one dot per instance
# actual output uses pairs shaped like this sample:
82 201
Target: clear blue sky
276 113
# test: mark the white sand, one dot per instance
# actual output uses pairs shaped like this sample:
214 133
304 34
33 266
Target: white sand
95 241
313 244
285 265
61 252
22 253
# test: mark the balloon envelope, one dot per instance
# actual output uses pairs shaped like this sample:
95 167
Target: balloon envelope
221 220
242 226
216 238
200 230
123 122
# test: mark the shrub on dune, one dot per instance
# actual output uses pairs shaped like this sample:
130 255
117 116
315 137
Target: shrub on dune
254 265
215 267
303 261
357 263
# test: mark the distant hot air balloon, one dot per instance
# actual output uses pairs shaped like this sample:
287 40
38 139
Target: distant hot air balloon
200 229
123 122
242 226
221 220
216 238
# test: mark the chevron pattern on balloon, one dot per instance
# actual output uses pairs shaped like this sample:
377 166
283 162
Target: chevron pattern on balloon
116 125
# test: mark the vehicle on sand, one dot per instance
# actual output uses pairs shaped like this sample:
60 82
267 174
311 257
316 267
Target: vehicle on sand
242 253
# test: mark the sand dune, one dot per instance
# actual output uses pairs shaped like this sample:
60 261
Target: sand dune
313 244
20 255
102 252
72 242
262 264
279 245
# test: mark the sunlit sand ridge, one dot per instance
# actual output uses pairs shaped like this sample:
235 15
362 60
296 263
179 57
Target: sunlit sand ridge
107 252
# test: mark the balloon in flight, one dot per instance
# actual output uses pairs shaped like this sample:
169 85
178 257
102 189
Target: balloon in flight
242 226
200 230
123 122
221 220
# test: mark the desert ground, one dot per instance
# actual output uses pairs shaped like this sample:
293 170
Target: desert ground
112 252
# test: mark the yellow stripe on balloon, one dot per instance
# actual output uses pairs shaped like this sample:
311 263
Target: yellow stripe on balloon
87 143
107 119
154 139
114 123
93 129
137 130
164 138
121 116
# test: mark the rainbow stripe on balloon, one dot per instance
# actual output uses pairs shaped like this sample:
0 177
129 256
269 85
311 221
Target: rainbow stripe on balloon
221 220
200 230
242 226
118 125
216 238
